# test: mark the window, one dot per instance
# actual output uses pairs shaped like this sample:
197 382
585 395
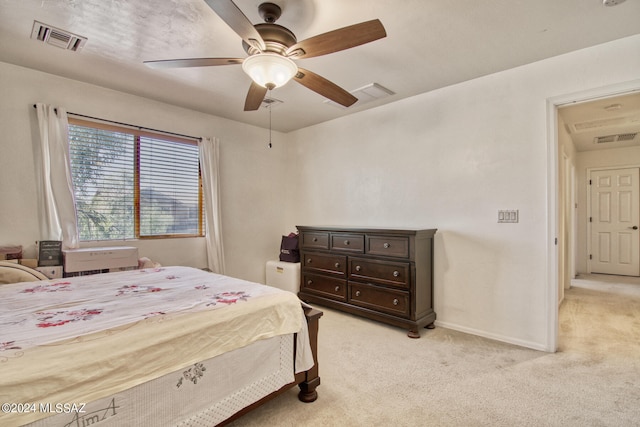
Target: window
134 184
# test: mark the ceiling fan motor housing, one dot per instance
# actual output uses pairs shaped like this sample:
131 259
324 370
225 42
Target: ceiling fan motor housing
276 39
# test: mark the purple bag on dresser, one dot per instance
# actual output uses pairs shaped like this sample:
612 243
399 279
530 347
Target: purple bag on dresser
289 251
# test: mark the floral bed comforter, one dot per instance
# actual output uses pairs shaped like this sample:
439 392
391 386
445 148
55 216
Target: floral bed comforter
79 339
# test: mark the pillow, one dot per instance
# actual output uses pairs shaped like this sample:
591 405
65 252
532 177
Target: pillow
11 272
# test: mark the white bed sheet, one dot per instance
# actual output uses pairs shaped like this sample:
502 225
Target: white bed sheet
85 338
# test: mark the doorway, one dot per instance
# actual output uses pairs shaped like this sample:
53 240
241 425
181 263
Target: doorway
566 215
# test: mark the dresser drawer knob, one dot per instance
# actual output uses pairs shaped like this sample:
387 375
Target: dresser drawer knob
396 273
337 288
358 268
347 243
315 239
357 293
387 245
337 265
309 282
308 260
395 301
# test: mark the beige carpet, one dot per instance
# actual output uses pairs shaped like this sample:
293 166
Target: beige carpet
373 375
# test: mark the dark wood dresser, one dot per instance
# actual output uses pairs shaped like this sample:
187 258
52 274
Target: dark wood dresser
382 274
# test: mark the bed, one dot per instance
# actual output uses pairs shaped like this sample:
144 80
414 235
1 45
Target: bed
162 346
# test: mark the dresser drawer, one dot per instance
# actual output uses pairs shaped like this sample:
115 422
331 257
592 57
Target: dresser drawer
380 299
347 242
327 263
388 246
383 272
314 240
328 287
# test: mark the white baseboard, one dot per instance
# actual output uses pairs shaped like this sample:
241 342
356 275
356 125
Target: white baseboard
497 337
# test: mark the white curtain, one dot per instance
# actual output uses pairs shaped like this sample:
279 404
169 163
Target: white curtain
209 166
57 201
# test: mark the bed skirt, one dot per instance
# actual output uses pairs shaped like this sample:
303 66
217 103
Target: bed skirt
206 393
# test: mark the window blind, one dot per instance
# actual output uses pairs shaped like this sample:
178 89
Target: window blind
132 184
169 188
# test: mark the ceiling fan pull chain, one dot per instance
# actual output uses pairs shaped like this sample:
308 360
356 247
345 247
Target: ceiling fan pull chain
270 105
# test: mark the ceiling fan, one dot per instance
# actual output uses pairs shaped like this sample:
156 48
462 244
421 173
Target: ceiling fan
271 48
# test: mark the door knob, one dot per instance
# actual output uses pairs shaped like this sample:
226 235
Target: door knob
635 227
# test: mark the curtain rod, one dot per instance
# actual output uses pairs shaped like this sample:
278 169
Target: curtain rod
130 125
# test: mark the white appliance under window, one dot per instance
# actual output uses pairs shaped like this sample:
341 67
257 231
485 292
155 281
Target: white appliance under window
99 260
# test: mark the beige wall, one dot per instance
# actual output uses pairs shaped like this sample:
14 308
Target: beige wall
251 173
448 159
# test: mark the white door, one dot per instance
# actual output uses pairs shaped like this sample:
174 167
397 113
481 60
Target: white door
615 218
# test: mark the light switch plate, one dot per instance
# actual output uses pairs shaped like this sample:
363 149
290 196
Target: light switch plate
508 215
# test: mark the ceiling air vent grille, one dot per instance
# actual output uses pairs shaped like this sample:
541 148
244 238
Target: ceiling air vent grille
615 138
626 136
270 102
57 37
365 94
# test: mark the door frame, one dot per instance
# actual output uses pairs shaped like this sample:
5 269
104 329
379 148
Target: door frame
589 207
568 226
553 191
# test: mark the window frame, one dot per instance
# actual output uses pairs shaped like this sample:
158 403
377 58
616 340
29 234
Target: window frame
138 133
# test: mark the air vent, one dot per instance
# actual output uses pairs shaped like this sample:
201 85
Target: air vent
365 94
270 102
57 37
626 136
615 138
604 139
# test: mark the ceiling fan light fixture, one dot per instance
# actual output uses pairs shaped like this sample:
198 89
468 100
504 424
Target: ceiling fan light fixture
270 70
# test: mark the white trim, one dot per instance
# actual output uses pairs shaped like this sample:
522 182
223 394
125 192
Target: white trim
498 337
551 306
574 221
551 292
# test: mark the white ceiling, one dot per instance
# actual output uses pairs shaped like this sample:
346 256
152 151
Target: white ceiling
429 44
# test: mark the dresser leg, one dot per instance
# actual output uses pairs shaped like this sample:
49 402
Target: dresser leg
430 326
413 333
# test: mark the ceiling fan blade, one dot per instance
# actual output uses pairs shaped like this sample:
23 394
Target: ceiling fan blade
337 40
233 16
254 97
324 87
192 62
